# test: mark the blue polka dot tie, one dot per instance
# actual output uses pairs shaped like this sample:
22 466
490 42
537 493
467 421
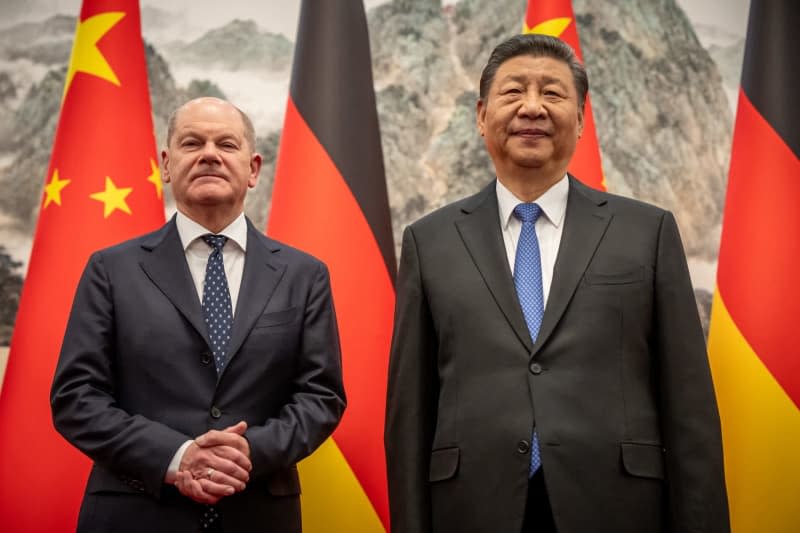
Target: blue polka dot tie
528 281
211 521
217 309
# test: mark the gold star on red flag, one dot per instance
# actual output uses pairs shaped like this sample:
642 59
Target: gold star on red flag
53 189
113 198
552 27
155 177
85 55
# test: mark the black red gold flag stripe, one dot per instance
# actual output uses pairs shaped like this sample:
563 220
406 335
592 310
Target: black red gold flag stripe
330 199
753 350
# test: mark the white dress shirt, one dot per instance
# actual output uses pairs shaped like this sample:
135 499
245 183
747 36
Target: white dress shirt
549 226
197 251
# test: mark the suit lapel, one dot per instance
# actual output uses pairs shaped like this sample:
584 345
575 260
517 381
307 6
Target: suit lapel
585 224
262 273
480 231
166 266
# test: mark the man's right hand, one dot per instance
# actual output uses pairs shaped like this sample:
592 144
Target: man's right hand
212 468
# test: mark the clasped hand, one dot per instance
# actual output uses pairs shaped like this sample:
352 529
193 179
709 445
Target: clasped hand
216 464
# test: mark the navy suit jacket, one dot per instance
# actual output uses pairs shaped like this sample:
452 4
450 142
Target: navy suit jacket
136 379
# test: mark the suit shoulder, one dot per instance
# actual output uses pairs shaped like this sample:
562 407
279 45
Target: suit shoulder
451 211
633 205
624 205
130 246
290 254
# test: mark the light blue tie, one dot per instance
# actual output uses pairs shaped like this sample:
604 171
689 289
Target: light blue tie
217 309
528 281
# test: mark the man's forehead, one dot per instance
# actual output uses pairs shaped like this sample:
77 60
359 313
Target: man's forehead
209 126
190 121
526 66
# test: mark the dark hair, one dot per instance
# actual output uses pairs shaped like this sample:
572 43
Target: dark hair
536 45
249 130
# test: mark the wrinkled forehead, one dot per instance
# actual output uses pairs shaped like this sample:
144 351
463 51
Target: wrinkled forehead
208 123
535 65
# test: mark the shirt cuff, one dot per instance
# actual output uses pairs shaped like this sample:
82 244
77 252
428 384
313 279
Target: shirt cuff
175 464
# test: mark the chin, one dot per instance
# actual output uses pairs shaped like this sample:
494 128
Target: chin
531 161
211 198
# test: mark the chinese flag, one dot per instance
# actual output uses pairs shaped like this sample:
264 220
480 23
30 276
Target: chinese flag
102 186
753 346
330 199
555 18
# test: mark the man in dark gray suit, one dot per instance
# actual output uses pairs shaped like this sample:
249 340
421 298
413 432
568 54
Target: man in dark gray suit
548 370
200 361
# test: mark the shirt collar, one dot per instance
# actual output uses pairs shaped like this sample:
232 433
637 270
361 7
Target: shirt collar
189 230
553 202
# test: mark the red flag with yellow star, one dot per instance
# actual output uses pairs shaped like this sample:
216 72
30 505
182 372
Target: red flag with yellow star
330 199
103 186
556 18
752 342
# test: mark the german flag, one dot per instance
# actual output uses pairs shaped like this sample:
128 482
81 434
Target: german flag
754 354
103 186
330 199
556 18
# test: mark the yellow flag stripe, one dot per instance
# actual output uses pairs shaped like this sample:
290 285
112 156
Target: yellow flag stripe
761 433
333 499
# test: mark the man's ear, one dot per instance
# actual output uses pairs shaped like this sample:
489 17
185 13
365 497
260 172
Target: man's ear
580 123
165 166
480 116
255 168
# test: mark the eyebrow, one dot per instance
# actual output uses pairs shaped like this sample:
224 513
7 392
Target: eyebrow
189 132
520 78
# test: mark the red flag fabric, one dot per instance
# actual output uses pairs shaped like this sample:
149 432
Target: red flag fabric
752 348
330 199
102 186
556 18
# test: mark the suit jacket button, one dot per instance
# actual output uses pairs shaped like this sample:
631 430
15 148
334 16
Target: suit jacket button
215 412
205 357
536 368
523 446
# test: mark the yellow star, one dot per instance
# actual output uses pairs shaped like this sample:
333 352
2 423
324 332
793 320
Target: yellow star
53 189
553 27
155 177
112 198
85 55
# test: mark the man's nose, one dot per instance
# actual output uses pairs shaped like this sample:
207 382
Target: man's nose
531 105
209 152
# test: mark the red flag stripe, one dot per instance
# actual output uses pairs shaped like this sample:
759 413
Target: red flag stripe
104 131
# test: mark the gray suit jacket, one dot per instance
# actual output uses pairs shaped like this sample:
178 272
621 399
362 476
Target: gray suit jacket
136 379
617 383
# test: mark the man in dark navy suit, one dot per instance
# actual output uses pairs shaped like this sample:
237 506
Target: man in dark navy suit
201 362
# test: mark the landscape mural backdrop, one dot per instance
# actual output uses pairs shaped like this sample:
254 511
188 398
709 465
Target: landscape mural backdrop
663 79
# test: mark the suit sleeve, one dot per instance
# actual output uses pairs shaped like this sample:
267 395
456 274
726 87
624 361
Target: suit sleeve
318 401
691 427
82 396
411 404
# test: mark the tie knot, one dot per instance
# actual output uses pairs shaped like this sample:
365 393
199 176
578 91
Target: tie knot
215 241
527 212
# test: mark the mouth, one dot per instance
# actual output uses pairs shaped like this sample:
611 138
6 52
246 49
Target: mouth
204 175
531 133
